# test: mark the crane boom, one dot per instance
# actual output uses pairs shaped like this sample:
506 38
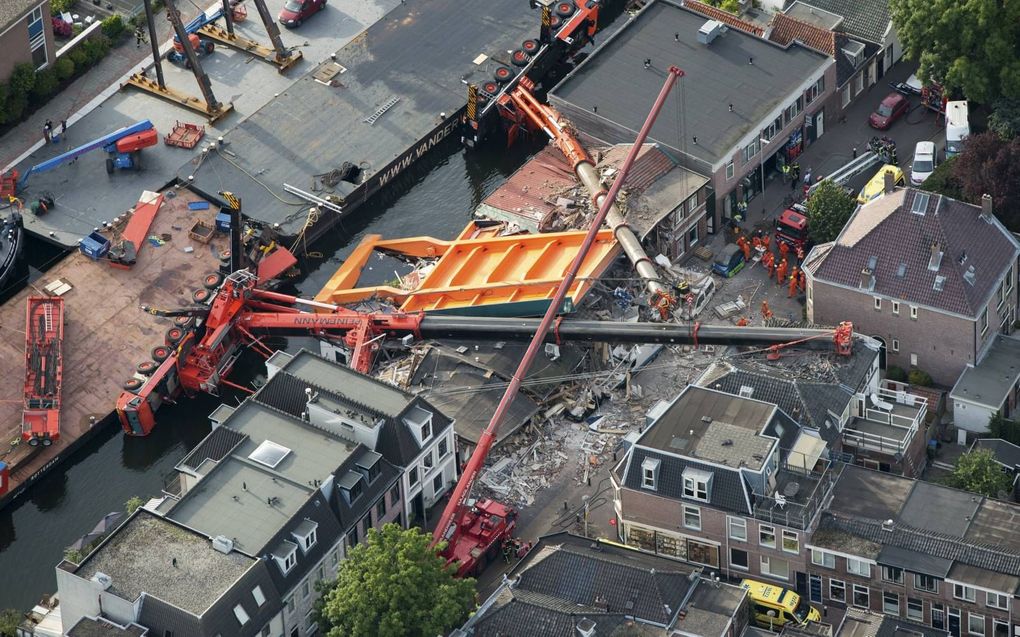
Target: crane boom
457 499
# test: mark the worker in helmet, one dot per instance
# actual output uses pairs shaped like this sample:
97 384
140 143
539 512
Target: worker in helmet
781 272
784 249
756 242
794 277
743 322
745 247
802 281
766 313
769 262
766 241
800 254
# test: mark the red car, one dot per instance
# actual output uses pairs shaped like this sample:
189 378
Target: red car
297 11
893 107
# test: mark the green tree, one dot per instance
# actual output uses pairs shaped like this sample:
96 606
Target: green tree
60 6
896 373
46 84
920 378
394 584
978 472
74 555
64 68
1005 118
132 504
943 181
990 165
1008 430
9 620
113 27
828 209
971 46
22 79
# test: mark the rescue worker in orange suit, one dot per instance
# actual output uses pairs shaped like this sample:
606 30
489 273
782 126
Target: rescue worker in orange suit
743 322
770 262
784 249
766 313
766 240
756 242
781 272
745 247
800 254
802 281
794 277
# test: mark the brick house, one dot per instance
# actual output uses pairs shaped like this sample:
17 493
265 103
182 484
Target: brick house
933 279
738 90
716 480
927 553
26 35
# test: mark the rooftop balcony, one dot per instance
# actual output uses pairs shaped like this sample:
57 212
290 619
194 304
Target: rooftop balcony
797 496
888 424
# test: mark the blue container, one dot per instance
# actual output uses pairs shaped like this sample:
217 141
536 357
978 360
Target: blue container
95 246
223 222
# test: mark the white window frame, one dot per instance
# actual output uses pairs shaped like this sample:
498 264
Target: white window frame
1009 280
960 591
983 322
765 563
241 615
878 303
844 98
896 307
913 312
867 593
697 236
649 472
747 556
695 488
258 596
885 602
920 613
860 568
823 558
841 585
795 537
998 597
889 574
289 603
695 513
971 617
771 530
736 523
729 170
918 586
896 345
858 83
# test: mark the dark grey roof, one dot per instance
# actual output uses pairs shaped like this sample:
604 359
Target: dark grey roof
867 19
969 574
1005 452
101 627
845 69
614 80
523 615
862 623
728 489
327 533
935 508
11 10
350 514
990 382
869 494
914 561
996 523
895 236
216 446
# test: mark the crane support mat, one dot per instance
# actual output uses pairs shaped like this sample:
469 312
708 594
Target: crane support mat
198 205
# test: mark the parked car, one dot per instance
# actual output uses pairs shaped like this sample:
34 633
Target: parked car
729 262
893 107
925 161
297 11
875 187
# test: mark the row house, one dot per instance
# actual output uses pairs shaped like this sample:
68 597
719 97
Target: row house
926 553
26 35
726 481
405 429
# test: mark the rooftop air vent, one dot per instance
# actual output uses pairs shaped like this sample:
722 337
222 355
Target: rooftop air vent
969 275
940 283
746 391
710 31
901 271
269 454
935 262
223 544
103 580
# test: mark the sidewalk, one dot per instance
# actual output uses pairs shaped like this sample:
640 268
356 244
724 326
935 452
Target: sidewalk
28 135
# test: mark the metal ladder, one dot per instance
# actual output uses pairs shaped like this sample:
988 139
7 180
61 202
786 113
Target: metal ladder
48 317
371 119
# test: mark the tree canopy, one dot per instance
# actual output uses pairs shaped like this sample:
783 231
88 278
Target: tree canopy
989 164
393 584
828 209
971 46
978 472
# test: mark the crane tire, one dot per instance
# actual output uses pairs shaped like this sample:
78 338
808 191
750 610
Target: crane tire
33 442
519 58
201 296
502 74
555 22
490 87
565 9
146 368
212 280
160 353
46 442
184 322
132 384
173 337
109 166
530 46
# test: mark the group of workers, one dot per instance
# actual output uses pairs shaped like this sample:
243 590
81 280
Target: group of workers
784 266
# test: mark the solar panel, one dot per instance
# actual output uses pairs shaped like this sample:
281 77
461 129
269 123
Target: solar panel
269 453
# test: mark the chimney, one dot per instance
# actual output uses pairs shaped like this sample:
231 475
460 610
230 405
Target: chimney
935 262
890 181
585 628
867 279
986 207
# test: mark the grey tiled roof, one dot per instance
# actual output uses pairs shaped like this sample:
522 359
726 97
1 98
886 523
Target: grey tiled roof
728 489
867 19
1005 452
522 618
903 237
861 623
220 442
941 545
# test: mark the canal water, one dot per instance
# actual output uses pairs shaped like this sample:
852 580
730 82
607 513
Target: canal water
435 198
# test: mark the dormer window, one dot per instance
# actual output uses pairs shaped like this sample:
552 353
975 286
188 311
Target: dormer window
305 534
420 422
368 463
649 473
350 485
285 556
426 431
697 484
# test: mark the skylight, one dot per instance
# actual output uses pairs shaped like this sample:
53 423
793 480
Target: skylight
269 453
940 282
920 203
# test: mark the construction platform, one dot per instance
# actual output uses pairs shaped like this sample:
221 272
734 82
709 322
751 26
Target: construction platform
86 196
383 102
105 333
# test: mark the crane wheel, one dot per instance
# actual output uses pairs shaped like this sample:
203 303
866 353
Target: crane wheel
184 322
146 368
502 74
565 9
109 166
212 280
160 353
46 442
209 47
530 46
519 58
173 336
132 384
490 87
555 22
33 442
201 296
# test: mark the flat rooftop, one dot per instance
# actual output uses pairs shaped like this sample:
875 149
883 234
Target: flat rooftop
714 426
892 432
614 80
990 382
140 556
873 495
806 12
417 59
711 608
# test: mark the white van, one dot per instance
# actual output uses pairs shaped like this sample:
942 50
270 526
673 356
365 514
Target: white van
957 127
924 163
